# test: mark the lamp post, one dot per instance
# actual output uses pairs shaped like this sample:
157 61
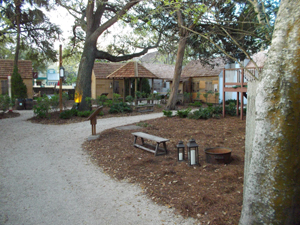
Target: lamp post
193 154
180 151
61 75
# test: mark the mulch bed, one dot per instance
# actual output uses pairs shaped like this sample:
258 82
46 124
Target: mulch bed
210 193
9 114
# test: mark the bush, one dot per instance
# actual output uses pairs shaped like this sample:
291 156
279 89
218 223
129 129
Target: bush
120 107
18 87
183 113
84 113
67 114
230 109
101 100
227 102
4 102
196 104
129 99
54 102
101 113
167 113
206 113
42 107
108 103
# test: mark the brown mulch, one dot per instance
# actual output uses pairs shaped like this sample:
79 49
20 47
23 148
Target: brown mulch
9 114
210 193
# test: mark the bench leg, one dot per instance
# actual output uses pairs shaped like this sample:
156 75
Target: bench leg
142 141
165 147
134 142
156 149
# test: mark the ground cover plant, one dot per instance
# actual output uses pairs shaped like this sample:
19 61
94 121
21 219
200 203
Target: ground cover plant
210 193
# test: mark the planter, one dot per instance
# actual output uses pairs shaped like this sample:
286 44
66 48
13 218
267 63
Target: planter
218 155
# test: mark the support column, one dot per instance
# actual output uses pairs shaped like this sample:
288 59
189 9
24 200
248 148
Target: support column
223 93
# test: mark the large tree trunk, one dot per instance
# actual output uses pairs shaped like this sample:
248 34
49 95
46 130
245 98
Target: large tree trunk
272 161
18 21
177 73
84 78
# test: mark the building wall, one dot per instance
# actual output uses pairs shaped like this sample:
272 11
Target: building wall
204 84
103 86
27 82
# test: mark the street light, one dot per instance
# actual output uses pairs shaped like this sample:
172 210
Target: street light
61 75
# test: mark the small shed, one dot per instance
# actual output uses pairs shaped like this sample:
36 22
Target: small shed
131 70
25 70
204 77
101 84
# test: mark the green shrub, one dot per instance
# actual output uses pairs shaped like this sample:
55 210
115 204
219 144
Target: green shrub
209 104
138 94
167 113
42 107
227 102
183 113
108 103
129 99
84 113
120 107
54 102
4 102
206 113
116 98
101 100
101 113
196 104
230 109
67 114
18 87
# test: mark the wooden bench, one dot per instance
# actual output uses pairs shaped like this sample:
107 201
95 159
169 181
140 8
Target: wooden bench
144 108
93 119
157 150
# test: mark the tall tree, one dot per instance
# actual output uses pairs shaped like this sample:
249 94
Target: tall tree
94 18
220 27
26 27
272 161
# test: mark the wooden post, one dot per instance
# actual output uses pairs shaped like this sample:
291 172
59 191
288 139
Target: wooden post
60 79
93 119
237 103
152 89
242 94
223 93
124 92
130 86
136 74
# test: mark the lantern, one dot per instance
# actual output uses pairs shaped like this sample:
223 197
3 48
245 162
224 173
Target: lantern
180 151
193 154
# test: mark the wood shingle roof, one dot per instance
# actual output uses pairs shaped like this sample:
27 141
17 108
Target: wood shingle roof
162 71
102 70
129 71
196 69
7 67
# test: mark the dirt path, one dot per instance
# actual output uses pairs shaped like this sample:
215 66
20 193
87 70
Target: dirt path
46 178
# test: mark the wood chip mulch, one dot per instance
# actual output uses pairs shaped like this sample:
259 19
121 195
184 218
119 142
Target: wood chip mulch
210 193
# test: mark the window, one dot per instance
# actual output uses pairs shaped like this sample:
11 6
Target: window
4 87
209 86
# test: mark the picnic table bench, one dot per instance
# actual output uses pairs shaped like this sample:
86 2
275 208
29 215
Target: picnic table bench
144 108
157 150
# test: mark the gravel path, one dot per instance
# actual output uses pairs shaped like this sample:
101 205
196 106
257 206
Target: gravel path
46 178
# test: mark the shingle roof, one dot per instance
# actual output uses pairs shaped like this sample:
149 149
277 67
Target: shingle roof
24 66
196 69
128 71
162 71
102 70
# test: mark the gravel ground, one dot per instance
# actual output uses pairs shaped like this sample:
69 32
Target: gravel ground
46 178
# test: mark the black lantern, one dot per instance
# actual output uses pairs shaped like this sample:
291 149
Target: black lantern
180 151
193 153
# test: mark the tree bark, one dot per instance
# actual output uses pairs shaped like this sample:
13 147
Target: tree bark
18 21
177 73
272 160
